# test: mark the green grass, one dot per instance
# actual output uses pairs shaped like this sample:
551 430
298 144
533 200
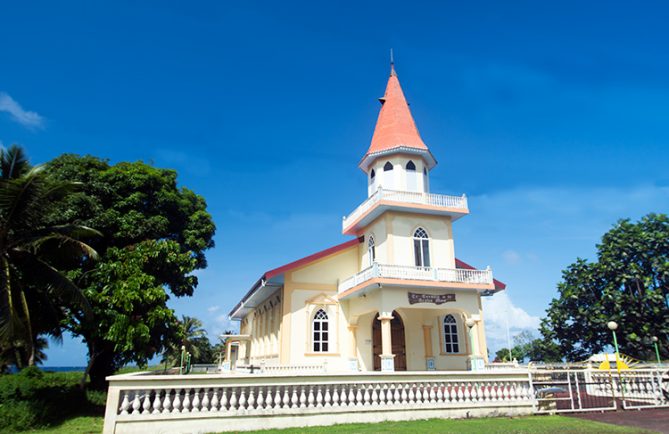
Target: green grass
530 424
76 425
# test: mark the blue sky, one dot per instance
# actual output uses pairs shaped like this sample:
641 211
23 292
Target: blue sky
551 116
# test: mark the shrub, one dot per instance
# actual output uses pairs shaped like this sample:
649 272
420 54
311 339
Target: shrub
34 399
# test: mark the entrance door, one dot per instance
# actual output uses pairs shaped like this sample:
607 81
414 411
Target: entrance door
397 338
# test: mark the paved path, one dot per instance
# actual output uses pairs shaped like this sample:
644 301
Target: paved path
656 419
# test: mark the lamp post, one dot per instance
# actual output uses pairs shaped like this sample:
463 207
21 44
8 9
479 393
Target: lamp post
613 326
657 350
181 363
471 322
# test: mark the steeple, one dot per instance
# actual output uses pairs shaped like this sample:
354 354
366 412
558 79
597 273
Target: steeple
395 128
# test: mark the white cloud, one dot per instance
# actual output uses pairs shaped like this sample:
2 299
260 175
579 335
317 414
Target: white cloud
19 114
499 313
511 257
212 309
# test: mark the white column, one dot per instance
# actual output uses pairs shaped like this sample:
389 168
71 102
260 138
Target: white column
387 356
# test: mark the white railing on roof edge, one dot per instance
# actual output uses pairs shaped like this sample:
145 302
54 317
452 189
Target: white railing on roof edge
459 202
454 275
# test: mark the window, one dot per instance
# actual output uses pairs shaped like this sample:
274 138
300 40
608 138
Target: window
451 335
371 250
421 248
372 174
424 171
411 166
321 332
388 166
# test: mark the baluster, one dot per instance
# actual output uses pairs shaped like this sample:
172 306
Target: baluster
319 398
167 402
250 402
396 396
412 394
262 398
286 398
383 395
156 403
294 400
351 395
146 404
476 390
136 404
273 402
433 393
310 397
196 400
214 400
495 392
125 403
440 392
327 399
486 392
506 391
375 394
404 395
461 395
205 400
303 398
233 399
242 398
176 402
466 393
224 399
343 396
186 403
358 395
335 396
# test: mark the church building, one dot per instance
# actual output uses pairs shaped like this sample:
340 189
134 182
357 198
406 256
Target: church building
394 297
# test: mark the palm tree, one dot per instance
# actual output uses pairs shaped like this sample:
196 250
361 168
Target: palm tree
33 292
191 336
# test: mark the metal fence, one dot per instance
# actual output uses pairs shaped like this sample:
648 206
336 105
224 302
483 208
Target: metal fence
579 390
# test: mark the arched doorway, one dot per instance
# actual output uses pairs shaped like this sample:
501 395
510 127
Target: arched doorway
397 338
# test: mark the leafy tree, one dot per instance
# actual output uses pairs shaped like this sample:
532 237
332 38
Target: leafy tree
155 234
193 338
629 284
34 294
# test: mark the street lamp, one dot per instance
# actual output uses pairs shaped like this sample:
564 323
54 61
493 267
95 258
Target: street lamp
471 322
181 363
613 326
657 350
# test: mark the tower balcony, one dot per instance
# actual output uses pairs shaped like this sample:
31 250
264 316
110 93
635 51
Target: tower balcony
412 276
405 201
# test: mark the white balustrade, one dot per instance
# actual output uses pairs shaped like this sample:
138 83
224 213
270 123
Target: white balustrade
172 397
407 197
404 272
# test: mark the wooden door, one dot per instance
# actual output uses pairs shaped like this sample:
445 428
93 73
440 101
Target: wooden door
398 343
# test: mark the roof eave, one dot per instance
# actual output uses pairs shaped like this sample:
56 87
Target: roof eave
400 149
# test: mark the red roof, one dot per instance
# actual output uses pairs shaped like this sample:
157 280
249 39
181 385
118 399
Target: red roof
395 126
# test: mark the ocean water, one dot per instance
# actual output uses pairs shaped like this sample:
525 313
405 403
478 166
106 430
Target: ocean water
62 368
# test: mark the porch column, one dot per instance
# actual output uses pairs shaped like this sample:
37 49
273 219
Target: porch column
475 361
387 356
353 347
427 342
227 364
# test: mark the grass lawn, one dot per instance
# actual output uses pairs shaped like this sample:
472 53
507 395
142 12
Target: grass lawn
530 424
76 425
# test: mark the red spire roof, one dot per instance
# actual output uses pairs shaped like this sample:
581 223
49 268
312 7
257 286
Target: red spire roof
395 127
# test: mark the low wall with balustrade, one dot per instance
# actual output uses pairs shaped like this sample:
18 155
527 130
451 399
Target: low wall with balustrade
214 403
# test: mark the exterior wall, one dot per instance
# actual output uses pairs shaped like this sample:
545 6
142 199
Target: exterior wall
263 325
393 235
398 178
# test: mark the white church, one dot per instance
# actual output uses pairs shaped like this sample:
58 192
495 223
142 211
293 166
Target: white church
394 297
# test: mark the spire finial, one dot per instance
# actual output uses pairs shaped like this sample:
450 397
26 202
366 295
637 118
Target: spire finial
392 63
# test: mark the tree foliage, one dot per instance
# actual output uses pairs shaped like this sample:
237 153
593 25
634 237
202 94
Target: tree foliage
34 293
155 234
629 284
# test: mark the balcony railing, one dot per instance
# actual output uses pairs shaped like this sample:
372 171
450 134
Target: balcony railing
404 272
408 197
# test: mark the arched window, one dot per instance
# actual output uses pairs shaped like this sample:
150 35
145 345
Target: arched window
388 166
372 174
424 171
421 248
371 250
411 166
451 344
320 332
